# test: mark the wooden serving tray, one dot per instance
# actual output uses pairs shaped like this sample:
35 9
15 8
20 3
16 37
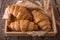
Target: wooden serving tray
34 33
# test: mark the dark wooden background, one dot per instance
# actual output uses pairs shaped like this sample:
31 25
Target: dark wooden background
5 3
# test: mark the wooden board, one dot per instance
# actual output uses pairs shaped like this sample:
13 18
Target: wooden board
0 3
36 33
57 37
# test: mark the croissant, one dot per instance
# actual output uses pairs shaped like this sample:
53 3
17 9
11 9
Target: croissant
42 20
32 27
26 25
12 8
24 14
14 26
11 26
16 10
17 25
23 26
19 12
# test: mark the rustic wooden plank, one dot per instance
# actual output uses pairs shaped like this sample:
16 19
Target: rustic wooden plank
57 38
11 38
25 38
58 2
48 38
1 23
2 38
57 15
57 12
59 9
0 3
37 38
58 30
22 38
30 38
58 6
5 3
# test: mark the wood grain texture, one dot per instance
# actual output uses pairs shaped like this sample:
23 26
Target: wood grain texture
37 38
58 2
5 3
12 38
49 38
25 38
0 3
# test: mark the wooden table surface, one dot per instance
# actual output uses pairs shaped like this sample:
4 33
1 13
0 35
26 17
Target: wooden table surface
5 3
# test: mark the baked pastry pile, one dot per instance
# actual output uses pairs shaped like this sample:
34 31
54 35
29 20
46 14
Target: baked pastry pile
22 20
41 20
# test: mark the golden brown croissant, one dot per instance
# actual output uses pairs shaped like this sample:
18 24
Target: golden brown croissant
17 25
46 28
16 10
42 20
38 16
11 26
12 7
24 25
32 27
19 12
24 14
